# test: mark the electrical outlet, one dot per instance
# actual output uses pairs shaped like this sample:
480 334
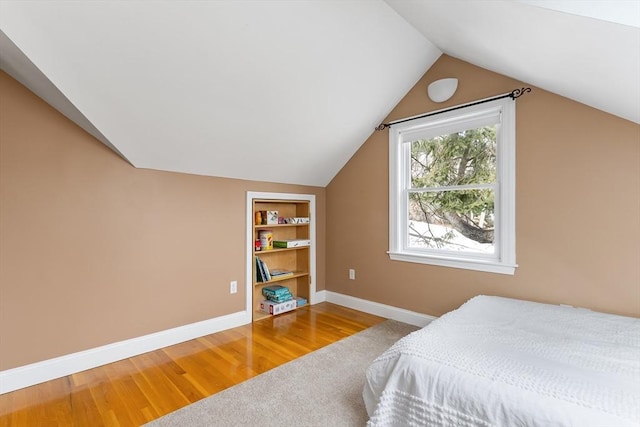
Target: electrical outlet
233 286
352 274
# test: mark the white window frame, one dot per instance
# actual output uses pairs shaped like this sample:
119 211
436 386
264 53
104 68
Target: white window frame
401 135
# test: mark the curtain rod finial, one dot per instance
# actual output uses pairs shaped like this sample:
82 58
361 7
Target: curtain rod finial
382 126
516 93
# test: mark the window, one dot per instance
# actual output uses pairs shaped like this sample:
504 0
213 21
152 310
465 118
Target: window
452 188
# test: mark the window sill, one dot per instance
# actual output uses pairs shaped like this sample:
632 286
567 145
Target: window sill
467 264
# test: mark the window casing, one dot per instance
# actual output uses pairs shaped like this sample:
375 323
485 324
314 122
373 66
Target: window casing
491 189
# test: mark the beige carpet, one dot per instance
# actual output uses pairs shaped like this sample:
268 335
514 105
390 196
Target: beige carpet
323 388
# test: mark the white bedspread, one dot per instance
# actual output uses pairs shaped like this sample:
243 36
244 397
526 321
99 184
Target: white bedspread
503 362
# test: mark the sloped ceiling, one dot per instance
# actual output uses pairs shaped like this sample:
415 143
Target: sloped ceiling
555 45
287 91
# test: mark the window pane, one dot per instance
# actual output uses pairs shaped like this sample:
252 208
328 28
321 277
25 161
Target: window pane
456 220
461 158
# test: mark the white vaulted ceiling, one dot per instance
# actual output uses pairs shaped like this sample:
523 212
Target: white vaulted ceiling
287 91
553 44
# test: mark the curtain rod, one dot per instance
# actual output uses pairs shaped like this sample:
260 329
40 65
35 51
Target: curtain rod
516 93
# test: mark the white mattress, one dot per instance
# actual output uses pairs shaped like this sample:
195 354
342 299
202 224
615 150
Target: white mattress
503 362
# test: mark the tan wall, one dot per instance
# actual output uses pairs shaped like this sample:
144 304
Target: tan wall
578 209
94 251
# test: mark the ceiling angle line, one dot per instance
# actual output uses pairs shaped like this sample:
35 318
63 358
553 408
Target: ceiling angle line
516 93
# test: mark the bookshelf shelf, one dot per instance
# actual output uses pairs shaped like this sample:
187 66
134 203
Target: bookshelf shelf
258 253
281 279
267 226
300 260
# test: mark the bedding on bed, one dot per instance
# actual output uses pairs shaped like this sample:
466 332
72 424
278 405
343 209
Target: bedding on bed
504 362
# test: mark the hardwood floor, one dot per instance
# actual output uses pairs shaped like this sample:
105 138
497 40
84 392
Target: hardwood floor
137 390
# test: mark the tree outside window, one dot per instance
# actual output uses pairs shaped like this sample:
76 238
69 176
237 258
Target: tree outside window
451 199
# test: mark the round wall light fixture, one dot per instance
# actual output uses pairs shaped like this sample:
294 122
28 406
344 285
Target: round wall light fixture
443 89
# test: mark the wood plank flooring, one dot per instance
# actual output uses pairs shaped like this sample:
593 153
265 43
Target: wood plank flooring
137 390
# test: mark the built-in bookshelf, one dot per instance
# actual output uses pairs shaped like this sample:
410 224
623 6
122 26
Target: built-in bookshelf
294 223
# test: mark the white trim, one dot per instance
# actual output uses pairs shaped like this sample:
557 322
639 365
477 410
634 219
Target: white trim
311 198
321 296
503 261
467 264
382 310
35 373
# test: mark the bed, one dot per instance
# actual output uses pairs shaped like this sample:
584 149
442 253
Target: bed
505 362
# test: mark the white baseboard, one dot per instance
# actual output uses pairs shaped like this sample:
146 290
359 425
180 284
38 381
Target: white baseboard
35 373
321 296
382 310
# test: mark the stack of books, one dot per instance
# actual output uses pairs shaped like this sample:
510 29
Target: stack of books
277 273
277 293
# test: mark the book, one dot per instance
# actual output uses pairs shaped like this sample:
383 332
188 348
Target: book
259 274
292 243
265 270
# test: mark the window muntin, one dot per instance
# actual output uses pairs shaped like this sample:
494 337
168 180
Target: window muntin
452 192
